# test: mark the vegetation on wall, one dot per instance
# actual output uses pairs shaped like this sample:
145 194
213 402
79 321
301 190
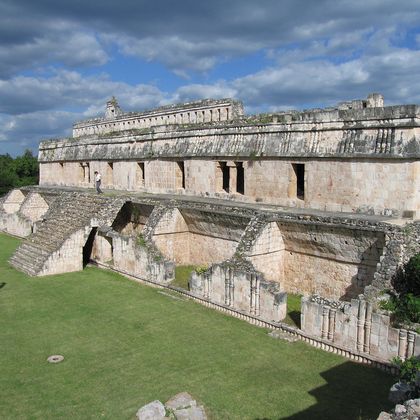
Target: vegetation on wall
409 373
17 172
404 302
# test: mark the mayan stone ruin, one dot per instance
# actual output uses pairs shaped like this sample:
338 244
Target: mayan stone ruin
323 203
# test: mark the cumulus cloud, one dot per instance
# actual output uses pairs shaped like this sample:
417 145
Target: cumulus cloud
59 60
60 42
192 35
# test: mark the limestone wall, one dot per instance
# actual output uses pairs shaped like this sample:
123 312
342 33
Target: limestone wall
242 291
34 207
334 262
15 224
193 237
355 326
373 187
20 211
267 254
136 260
13 201
70 255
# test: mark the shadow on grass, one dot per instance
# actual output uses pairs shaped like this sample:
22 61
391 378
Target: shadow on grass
2 284
348 382
295 317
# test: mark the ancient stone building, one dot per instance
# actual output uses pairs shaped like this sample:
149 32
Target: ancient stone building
323 202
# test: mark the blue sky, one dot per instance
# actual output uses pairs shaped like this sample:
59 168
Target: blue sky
61 60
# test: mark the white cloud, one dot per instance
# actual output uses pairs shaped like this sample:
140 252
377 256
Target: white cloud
65 44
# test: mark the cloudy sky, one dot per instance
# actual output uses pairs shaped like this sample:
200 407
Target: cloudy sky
61 60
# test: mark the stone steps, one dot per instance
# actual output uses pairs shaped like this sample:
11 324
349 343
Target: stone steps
69 213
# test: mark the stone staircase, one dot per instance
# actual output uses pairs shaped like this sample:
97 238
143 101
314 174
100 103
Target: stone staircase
69 213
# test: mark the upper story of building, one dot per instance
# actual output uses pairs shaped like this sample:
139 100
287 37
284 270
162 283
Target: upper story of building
115 120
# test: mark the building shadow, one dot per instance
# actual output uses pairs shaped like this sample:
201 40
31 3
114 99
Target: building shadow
352 391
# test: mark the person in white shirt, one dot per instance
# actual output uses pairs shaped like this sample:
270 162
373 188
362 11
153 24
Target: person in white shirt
98 182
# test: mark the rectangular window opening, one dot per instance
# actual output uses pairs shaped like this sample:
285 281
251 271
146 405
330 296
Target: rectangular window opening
140 173
240 178
226 176
182 173
299 169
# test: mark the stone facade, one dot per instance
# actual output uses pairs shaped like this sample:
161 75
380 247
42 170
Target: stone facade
332 160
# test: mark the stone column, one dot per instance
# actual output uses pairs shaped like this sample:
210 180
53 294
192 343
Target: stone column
257 296
331 327
361 325
368 327
252 297
206 285
229 288
410 345
402 345
219 177
325 321
232 177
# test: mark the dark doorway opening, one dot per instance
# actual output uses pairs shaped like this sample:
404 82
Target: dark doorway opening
182 170
87 249
240 178
226 176
299 169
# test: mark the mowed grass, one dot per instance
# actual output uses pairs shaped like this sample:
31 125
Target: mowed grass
127 344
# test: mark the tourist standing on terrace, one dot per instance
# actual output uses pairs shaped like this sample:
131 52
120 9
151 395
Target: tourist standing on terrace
98 182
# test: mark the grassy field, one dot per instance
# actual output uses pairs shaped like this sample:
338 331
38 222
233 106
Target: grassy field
126 344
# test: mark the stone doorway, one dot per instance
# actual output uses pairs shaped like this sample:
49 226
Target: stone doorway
87 249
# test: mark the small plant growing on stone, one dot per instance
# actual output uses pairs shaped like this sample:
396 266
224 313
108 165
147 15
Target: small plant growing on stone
253 155
201 269
141 241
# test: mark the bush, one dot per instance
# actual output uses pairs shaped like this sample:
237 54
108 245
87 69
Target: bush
405 303
412 275
409 373
405 308
407 279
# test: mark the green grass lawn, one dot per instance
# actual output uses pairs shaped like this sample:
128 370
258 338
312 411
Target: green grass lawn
182 275
293 310
127 344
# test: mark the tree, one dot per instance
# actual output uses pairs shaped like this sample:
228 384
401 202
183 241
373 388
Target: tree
18 172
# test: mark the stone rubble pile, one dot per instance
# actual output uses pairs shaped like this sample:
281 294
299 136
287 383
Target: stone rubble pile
180 407
410 410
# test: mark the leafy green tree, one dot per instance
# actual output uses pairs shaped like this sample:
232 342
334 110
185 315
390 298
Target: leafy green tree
23 170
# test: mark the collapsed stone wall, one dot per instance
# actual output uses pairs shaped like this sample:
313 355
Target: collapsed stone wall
244 291
357 326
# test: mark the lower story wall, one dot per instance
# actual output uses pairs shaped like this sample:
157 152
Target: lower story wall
338 185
